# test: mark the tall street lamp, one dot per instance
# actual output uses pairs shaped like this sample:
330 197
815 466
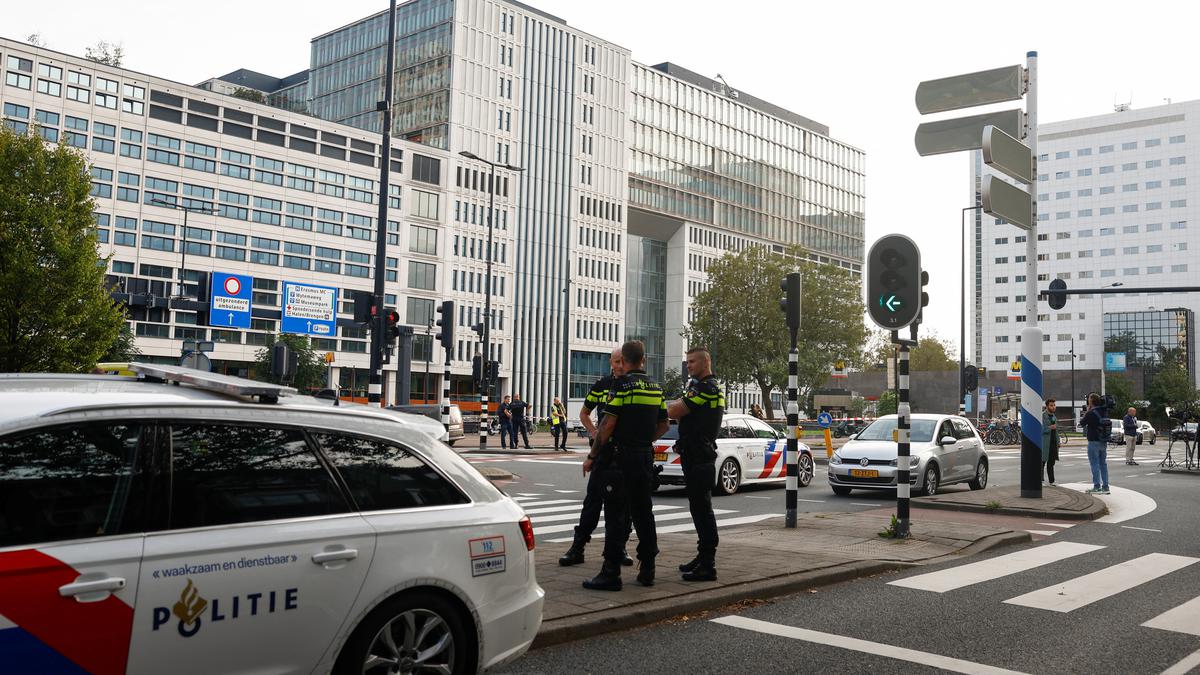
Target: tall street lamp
1103 349
183 235
487 292
962 312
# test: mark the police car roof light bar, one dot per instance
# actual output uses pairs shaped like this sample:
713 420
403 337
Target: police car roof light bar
216 382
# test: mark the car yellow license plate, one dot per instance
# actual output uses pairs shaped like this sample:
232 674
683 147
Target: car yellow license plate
864 473
660 456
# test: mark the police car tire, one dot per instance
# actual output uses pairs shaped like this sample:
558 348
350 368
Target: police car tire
734 470
354 652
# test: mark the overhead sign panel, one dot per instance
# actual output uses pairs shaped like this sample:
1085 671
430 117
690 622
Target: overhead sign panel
964 133
1007 201
309 309
1007 155
964 91
230 300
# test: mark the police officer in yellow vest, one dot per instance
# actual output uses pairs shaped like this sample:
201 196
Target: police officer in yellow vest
699 413
558 424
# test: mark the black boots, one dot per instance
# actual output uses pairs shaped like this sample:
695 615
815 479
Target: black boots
702 570
573 556
609 578
690 565
626 561
645 574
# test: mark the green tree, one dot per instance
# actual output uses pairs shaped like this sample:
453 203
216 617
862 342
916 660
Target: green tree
1170 387
673 383
124 348
932 354
738 318
889 402
1121 389
55 311
108 53
310 365
249 95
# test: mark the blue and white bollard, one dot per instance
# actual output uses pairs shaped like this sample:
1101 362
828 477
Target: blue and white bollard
1031 413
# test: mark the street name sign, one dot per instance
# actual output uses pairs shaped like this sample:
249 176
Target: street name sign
964 133
965 91
1007 201
230 307
309 309
1007 155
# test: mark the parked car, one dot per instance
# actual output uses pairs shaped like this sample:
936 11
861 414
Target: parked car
434 412
226 525
1144 431
1184 432
748 451
954 454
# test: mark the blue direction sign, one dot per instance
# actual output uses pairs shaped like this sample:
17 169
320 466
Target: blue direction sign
824 419
230 300
309 309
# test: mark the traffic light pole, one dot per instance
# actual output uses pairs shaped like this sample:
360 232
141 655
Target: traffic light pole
791 286
1031 336
379 325
903 425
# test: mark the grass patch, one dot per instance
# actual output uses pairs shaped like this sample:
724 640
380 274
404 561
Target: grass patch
993 505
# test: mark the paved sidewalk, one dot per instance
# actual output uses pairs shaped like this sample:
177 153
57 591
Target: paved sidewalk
1056 502
754 561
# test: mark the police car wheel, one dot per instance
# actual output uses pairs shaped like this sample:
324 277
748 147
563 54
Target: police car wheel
729 477
412 632
805 469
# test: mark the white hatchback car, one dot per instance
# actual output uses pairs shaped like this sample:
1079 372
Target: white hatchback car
225 526
955 454
748 451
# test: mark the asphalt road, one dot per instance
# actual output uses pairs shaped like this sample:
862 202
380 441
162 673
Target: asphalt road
1066 613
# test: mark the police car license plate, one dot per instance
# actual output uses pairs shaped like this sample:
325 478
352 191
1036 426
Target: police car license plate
660 456
864 473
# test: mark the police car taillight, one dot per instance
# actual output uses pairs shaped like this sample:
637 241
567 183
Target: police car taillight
526 526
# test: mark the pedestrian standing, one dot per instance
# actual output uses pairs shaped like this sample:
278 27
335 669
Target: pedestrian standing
699 413
593 500
635 416
1050 438
757 411
558 422
505 416
518 408
1097 444
1130 424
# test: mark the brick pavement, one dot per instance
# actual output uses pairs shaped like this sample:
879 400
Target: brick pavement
1056 502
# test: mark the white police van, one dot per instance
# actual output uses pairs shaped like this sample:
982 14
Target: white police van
199 523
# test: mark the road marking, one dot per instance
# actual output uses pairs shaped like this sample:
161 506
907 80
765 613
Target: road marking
814 501
854 644
564 460
994 568
1186 665
1084 590
1183 619
1143 529
755 497
1123 504
1152 474
743 520
1044 533
566 492
549 518
1060 525
575 506
865 504
551 529
547 502
529 494
544 484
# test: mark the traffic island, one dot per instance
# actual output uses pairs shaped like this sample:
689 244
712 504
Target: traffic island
1194 470
755 561
1056 502
493 473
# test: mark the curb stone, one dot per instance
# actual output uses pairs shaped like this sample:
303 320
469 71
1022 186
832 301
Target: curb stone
592 624
493 473
1093 512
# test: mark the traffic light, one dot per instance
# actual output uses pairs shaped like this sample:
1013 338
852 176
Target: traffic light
392 331
478 328
971 377
493 374
283 361
1057 300
790 304
476 369
446 323
364 308
924 295
894 281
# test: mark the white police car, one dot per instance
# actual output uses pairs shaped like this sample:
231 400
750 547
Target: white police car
209 524
748 451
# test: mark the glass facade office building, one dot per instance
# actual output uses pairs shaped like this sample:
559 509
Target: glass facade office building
1148 337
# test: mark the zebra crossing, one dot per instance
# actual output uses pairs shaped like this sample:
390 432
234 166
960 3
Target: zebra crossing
554 517
1072 594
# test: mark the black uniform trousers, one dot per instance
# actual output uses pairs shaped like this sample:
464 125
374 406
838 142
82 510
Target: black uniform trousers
593 506
699 477
518 424
627 487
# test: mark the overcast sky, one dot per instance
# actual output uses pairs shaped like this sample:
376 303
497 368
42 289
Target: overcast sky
851 65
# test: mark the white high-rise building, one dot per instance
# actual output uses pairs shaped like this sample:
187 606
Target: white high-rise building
1116 194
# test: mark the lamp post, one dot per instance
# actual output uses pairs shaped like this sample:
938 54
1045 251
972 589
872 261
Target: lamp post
487 289
1074 407
183 235
428 358
1103 352
962 312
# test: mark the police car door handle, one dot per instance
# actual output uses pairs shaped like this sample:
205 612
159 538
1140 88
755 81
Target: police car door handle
335 556
91 586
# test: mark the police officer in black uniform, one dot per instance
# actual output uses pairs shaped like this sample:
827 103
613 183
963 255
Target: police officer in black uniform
634 417
593 501
699 413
